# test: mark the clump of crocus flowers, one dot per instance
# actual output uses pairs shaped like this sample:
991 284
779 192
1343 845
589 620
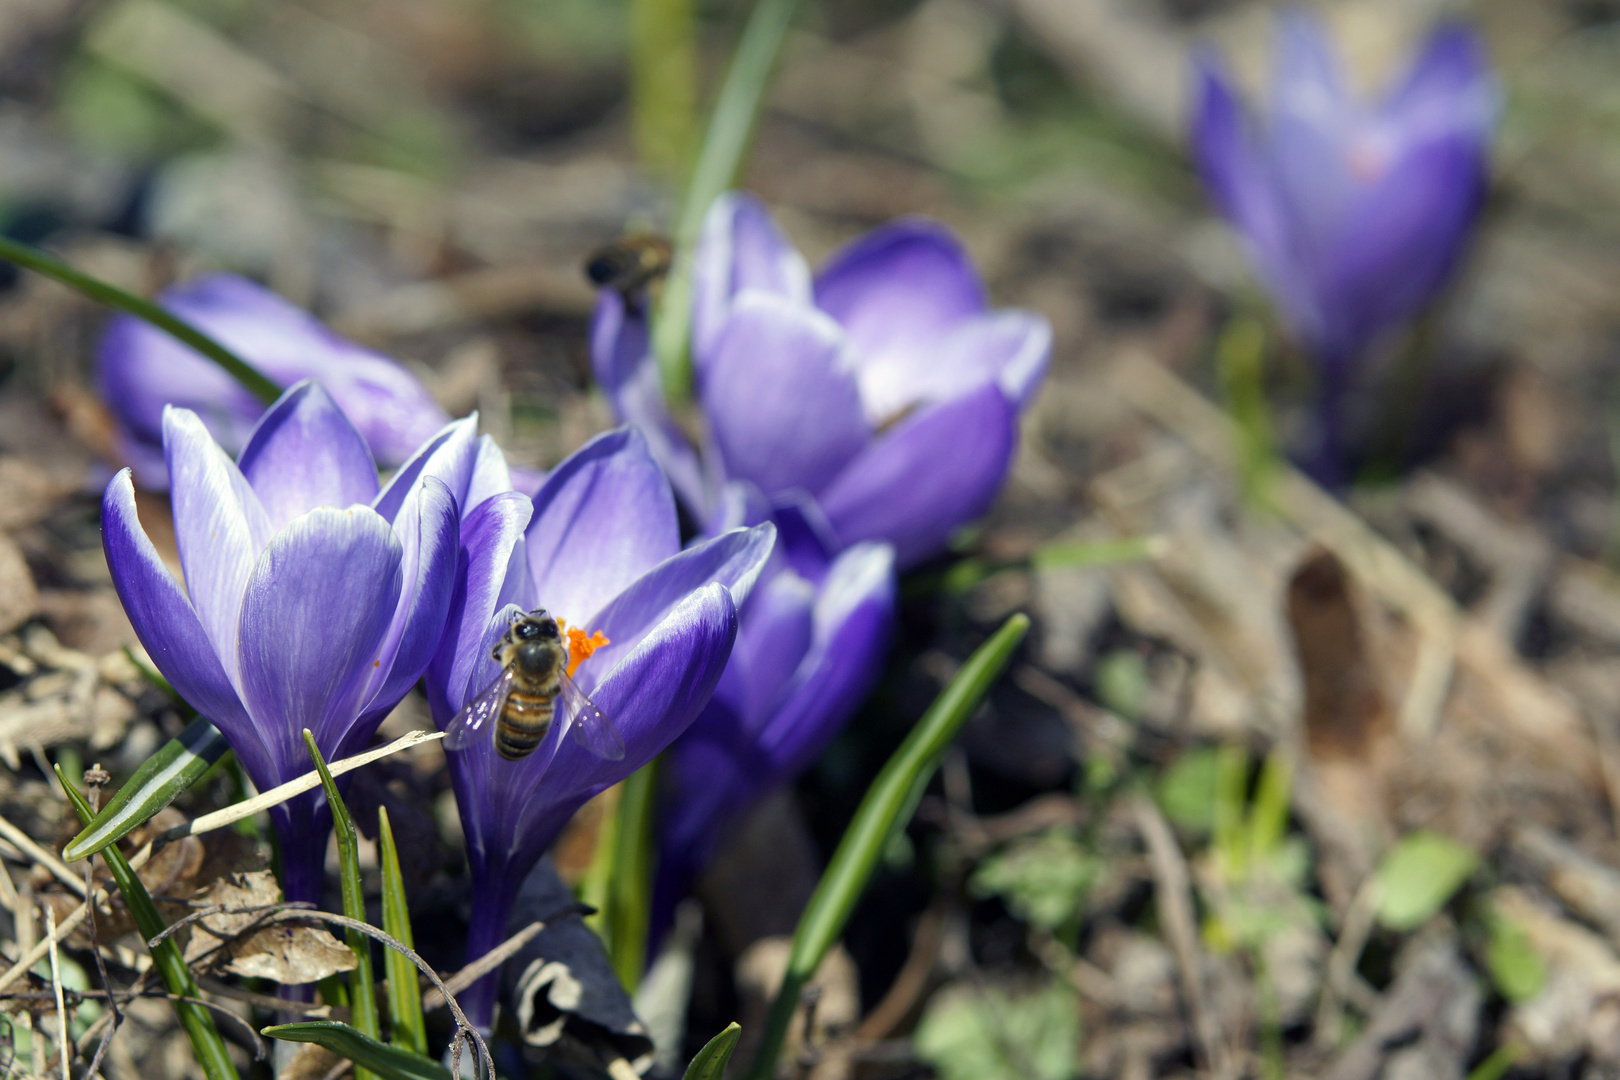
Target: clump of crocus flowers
1354 213
868 410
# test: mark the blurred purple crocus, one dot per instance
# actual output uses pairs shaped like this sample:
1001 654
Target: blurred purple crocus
312 599
1353 213
812 640
599 547
884 387
141 370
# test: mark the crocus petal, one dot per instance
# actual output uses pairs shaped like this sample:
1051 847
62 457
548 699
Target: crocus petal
733 560
740 249
141 369
652 695
937 469
428 534
490 538
1447 91
1242 187
450 455
163 619
783 407
604 517
772 638
1312 119
304 453
1414 222
490 473
899 286
316 610
1009 348
853 619
625 368
219 527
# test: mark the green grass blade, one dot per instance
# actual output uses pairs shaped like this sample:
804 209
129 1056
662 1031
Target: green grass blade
731 127
362 980
375 1058
630 886
206 1042
663 84
888 805
254 380
407 1029
180 763
710 1063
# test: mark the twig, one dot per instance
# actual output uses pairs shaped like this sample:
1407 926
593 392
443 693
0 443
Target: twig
32 956
257 1043
909 985
56 866
289 911
56 987
307 782
1341 964
497 956
1171 888
94 778
264 1001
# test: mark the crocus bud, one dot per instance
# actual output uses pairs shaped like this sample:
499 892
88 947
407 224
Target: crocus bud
1353 213
142 369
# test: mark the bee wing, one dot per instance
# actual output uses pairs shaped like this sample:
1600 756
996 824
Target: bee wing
477 720
590 725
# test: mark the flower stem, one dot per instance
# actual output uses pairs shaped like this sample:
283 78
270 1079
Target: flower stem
731 127
252 379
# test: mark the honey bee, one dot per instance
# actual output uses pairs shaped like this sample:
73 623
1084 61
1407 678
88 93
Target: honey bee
521 704
629 265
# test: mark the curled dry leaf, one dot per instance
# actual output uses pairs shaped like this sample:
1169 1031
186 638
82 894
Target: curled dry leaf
283 952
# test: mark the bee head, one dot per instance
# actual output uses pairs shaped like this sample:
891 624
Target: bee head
535 626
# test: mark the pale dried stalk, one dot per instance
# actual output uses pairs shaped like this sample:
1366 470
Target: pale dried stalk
56 988
485 964
307 782
34 955
50 862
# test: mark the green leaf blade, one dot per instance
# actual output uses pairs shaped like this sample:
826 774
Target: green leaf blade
731 127
362 980
888 805
407 1028
161 779
710 1062
206 1042
377 1058
252 379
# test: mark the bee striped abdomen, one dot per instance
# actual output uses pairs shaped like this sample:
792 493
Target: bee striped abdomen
525 719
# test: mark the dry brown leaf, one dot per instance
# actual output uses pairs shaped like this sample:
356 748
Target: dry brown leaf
290 954
282 952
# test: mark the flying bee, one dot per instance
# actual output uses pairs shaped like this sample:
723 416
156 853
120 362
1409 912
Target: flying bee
629 265
522 703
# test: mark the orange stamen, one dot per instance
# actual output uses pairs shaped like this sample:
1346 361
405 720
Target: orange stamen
581 646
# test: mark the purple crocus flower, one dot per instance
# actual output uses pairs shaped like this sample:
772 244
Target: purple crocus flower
599 547
883 387
1354 214
141 370
813 636
311 600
